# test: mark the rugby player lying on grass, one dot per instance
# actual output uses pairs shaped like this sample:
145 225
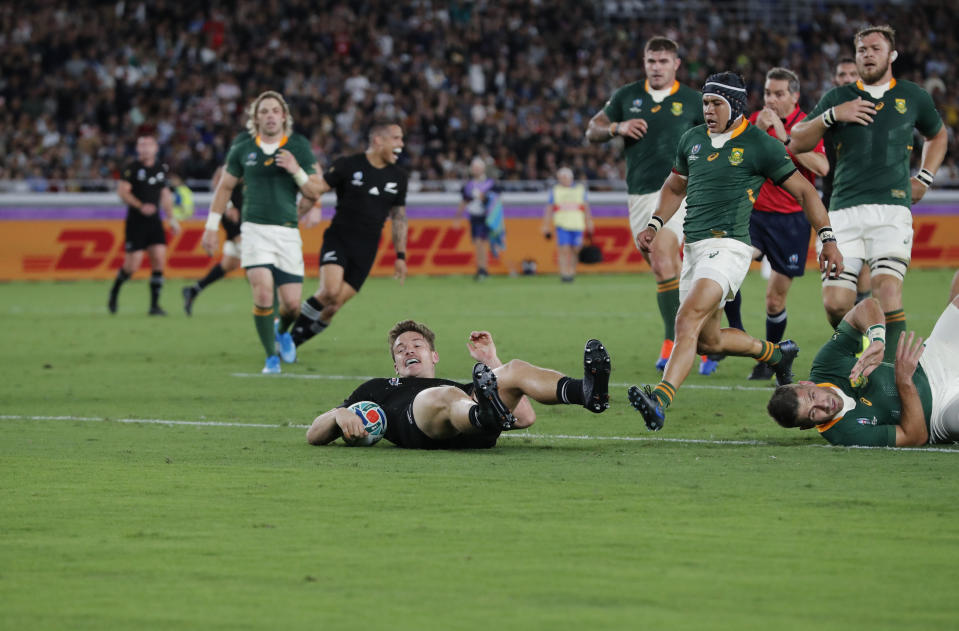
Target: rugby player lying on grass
866 402
424 412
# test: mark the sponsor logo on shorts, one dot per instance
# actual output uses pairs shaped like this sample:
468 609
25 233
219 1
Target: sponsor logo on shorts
330 256
898 193
713 255
901 106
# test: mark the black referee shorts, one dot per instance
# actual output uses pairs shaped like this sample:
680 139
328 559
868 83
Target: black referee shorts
142 232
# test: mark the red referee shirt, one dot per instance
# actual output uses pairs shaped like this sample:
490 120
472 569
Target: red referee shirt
775 199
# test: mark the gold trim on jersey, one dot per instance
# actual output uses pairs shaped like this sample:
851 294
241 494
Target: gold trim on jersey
861 86
742 127
824 427
282 140
673 90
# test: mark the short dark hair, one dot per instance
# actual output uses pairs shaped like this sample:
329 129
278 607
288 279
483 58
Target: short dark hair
411 325
845 60
380 125
883 29
661 43
784 406
784 74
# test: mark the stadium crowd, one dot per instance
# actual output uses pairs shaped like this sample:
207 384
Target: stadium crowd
514 82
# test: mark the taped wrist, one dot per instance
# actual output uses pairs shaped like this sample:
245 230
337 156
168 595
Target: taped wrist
213 220
655 223
826 235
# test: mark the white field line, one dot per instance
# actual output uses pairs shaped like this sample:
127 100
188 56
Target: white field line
691 386
583 437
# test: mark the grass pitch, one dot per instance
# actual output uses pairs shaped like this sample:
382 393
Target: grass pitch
150 478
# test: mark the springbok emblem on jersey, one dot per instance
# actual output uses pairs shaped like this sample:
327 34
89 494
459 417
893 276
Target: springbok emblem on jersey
677 108
736 156
901 106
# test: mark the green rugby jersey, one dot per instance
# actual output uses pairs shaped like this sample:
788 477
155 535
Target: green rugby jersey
878 407
872 161
723 184
648 159
269 191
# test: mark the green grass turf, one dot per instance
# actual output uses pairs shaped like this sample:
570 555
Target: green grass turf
108 524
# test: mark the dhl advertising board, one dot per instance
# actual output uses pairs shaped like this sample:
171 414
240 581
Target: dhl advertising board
67 242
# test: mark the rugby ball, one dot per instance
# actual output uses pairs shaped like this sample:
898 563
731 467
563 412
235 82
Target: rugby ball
374 421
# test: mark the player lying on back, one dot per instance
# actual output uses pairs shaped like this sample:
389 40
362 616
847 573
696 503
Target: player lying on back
424 412
866 402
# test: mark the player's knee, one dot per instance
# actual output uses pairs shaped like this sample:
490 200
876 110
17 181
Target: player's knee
709 346
775 303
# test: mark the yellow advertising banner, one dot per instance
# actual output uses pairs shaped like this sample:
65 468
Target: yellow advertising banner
91 248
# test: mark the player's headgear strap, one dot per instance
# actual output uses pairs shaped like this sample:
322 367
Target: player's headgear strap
730 87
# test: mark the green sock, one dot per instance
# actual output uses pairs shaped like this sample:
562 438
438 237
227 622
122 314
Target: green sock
263 319
769 353
664 393
286 319
667 297
895 324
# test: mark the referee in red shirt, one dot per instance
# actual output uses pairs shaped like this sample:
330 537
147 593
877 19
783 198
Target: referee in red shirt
777 228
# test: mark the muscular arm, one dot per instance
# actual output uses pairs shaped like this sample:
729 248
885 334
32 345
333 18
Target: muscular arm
399 226
330 425
933 153
830 260
911 430
671 196
814 161
598 129
601 130
125 191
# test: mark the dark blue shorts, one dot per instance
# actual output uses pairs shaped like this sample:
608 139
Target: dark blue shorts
783 238
478 228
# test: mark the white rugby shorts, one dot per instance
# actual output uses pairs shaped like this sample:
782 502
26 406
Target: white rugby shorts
642 207
940 361
278 246
723 260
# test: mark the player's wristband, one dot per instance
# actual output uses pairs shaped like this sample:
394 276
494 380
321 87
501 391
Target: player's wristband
876 333
826 235
925 177
655 223
788 140
401 256
213 220
300 177
829 117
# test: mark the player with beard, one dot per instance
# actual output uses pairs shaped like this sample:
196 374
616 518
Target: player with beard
275 165
651 116
424 412
719 168
369 188
871 124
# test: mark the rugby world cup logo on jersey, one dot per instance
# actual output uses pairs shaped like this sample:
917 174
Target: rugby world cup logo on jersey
677 108
357 178
901 106
692 152
736 156
637 105
250 159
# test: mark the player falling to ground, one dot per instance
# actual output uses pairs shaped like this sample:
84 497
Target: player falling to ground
424 412
369 188
231 247
778 229
143 188
871 402
568 211
870 123
479 196
719 168
274 164
651 116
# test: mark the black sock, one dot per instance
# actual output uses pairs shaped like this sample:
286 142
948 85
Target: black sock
216 273
733 311
308 323
570 391
156 284
121 278
775 326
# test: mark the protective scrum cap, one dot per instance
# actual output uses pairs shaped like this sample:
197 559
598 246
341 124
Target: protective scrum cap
730 87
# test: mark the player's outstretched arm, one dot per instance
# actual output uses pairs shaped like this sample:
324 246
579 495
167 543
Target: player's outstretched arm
671 195
481 348
399 226
224 189
911 430
830 260
329 426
